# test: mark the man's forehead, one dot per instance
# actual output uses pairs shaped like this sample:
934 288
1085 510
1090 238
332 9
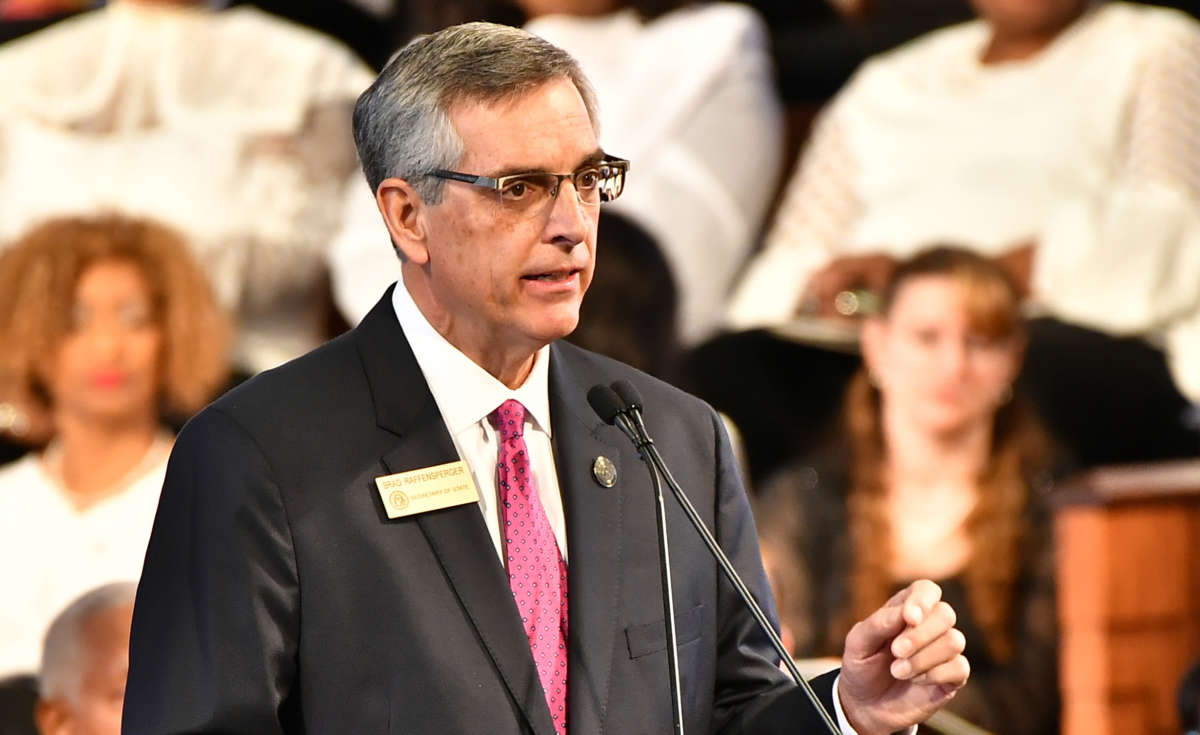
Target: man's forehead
545 128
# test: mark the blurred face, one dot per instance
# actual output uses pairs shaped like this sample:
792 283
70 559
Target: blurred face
97 710
106 367
1029 17
933 370
502 281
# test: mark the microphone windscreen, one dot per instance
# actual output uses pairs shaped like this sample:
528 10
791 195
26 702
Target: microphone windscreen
628 394
605 402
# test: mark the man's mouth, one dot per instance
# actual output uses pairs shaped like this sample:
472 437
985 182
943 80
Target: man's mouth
551 276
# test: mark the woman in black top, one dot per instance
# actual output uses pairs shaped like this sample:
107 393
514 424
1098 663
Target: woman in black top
939 474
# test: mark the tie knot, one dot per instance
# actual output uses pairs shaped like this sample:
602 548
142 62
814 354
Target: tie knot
509 419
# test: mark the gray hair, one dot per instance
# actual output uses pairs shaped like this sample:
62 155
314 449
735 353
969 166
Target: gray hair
65 650
402 125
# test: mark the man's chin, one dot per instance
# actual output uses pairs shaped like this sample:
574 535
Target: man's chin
556 327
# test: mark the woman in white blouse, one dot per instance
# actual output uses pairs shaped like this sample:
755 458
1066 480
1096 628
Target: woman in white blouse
107 324
1059 136
232 126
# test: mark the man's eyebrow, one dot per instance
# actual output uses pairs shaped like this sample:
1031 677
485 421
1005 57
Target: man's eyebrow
595 156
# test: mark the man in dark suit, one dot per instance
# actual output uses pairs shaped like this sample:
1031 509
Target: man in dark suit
421 527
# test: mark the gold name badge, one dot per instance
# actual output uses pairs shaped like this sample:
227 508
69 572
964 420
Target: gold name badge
430 488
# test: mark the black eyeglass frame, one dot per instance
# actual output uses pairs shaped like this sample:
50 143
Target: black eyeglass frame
498 183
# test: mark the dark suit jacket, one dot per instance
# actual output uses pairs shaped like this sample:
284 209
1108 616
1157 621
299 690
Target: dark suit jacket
278 597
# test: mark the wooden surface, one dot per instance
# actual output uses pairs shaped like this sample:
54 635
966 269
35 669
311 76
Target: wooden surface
1129 596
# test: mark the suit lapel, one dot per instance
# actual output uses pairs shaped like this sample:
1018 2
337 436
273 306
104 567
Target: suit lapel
458 536
593 516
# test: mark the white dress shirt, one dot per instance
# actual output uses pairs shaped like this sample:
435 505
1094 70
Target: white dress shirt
466 395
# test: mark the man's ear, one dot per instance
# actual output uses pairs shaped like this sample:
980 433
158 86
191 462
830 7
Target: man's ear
404 213
52 717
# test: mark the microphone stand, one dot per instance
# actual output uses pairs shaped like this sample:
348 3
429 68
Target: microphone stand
632 414
664 559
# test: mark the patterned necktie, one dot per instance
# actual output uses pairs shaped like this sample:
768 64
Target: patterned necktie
537 573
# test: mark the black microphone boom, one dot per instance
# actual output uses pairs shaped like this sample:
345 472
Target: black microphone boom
631 411
610 407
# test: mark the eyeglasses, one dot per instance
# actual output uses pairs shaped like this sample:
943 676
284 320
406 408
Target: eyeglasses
602 181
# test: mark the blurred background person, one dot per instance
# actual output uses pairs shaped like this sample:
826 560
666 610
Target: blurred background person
108 326
84 663
231 126
1057 137
630 313
690 98
940 473
375 29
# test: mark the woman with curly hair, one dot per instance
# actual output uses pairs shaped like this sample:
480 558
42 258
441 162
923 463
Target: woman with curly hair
109 328
939 473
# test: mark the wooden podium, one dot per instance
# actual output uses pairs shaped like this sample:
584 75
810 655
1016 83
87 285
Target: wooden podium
1128 568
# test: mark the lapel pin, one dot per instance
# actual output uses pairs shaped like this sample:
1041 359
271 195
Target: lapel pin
604 471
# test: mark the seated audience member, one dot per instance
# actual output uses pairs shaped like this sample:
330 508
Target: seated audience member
1057 138
940 474
84 662
107 326
231 126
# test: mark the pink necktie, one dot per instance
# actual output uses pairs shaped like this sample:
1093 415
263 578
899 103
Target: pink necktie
537 573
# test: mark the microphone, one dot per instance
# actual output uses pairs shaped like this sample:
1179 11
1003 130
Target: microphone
629 407
605 402
613 409
609 407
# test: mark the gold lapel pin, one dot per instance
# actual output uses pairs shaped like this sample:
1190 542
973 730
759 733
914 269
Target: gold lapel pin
604 471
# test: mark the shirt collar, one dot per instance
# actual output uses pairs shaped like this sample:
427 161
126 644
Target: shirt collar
466 393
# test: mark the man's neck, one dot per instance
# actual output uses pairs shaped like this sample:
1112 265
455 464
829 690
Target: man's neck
509 364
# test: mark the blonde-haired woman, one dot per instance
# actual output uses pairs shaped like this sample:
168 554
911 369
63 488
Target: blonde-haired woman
108 327
940 473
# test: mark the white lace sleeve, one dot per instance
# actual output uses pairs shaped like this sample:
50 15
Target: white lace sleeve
1128 261
1164 130
818 209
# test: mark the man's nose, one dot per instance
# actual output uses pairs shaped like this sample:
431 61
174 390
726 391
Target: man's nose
569 218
